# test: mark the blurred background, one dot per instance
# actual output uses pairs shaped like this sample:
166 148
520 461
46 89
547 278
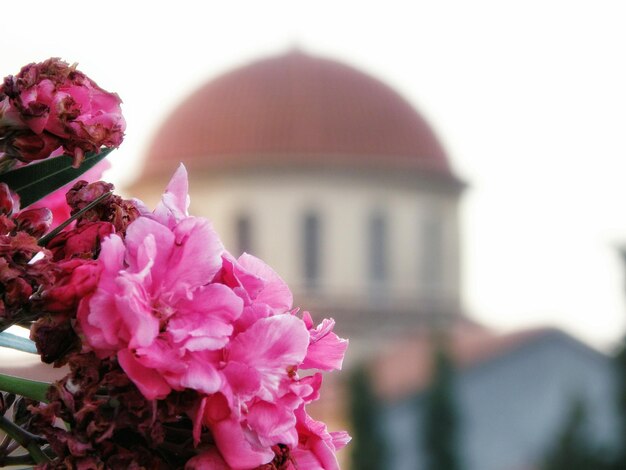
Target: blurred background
445 179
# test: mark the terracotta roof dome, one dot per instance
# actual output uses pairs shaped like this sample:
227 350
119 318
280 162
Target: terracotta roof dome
296 109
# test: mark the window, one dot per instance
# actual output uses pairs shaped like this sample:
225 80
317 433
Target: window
377 246
312 246
243 233
431 265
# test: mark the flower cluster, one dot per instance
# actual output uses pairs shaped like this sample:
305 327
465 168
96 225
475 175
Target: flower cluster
181 356
179 313
73 267
51 107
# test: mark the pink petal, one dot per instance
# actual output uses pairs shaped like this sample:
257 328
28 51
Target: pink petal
326 350
275 293
175 201
200 376
271 345
196 257
205 321
237 447
135 310
273 424
244 380
150 383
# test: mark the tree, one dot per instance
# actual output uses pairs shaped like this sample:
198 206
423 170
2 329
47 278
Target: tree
441 417
368 442
620 376
573 449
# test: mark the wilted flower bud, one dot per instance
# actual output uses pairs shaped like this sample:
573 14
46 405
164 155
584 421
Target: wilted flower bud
35 222
29 147
62 107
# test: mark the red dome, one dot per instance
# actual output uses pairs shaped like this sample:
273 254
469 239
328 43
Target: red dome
296 110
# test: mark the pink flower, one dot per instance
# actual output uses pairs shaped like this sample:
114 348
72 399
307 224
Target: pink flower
51 104
155 309
178 312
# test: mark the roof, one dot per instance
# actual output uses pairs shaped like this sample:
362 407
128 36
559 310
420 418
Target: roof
296 109
470 346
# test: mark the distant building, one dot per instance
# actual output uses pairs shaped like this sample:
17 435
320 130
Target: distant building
340 185
514 392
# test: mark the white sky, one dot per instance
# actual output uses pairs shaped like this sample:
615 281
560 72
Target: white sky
528 97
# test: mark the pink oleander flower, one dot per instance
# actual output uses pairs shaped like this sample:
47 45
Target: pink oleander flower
179 312
50 105
155 308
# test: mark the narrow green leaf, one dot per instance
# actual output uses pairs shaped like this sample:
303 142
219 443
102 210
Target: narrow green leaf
9 340
24 387
37 180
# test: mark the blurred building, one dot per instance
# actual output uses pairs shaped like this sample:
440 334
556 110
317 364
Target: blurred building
515 394
339 184
332 178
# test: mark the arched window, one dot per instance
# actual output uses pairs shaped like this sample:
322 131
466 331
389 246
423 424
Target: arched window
311 242
377 248
243 234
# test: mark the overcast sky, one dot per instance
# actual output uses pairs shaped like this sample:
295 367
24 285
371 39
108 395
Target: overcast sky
529 98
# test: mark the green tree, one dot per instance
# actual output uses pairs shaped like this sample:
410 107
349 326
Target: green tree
573 449
441 417
368 442
620 376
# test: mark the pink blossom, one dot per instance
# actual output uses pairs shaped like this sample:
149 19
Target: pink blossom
179 312
155 309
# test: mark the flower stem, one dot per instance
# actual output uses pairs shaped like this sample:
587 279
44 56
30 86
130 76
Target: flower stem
29 441
27 388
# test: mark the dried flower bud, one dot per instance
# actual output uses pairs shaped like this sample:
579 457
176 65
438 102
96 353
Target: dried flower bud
58 106
35 222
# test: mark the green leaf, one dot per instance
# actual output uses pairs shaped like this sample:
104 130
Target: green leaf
9 340
24 387
37 180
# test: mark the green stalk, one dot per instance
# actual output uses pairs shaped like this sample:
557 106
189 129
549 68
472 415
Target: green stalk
24 387
29 441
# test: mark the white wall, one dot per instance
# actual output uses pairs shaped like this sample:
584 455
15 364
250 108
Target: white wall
277 202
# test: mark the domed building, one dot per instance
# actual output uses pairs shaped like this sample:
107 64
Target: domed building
332 178
341 186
